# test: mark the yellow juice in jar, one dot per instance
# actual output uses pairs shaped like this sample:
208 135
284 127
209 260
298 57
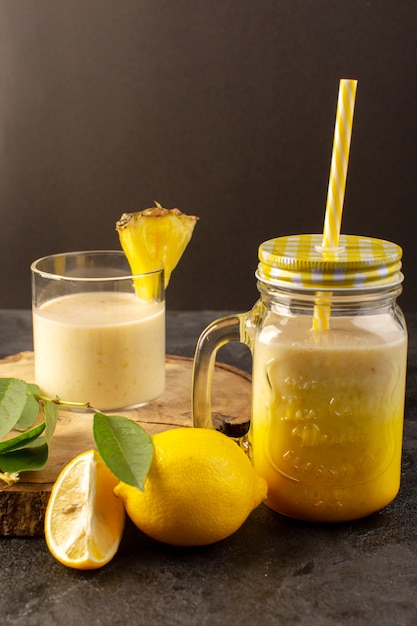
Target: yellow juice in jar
327 415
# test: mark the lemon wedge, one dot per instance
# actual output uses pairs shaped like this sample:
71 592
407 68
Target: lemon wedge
84 520
155 238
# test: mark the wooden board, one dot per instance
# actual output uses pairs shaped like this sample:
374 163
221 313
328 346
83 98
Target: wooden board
22 506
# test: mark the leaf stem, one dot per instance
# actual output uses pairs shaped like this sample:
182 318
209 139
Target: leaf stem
81 405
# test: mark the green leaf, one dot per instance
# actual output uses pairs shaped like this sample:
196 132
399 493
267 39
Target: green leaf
50 411
30 410
13 397
33 453
20 404
125 447
22 440
32 458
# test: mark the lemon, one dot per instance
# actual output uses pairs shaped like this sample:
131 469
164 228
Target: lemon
200 488
84 520
155 238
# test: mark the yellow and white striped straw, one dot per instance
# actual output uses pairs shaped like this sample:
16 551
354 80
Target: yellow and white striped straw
336 189
339 164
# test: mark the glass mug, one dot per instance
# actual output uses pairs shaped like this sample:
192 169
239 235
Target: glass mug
329 348
98 331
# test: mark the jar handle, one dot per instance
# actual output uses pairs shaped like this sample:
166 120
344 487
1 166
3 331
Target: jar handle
216 335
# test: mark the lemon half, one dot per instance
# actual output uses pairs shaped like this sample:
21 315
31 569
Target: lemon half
84 520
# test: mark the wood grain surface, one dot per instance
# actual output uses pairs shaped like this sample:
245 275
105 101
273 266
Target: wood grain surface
22 506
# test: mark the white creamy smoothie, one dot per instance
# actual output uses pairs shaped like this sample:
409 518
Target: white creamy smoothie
104 348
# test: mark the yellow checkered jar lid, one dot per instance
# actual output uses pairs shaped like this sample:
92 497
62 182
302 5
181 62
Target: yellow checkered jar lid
300 262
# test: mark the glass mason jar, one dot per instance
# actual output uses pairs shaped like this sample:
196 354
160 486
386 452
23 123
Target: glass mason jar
329 348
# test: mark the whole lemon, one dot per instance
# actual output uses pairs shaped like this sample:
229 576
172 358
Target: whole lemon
200 488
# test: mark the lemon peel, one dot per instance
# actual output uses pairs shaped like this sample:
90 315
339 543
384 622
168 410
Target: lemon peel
200 488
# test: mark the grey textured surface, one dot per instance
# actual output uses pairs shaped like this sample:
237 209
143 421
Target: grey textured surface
273 571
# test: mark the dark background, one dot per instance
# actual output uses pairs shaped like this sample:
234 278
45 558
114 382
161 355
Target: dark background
224 109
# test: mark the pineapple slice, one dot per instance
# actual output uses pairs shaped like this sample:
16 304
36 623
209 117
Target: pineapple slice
155 238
